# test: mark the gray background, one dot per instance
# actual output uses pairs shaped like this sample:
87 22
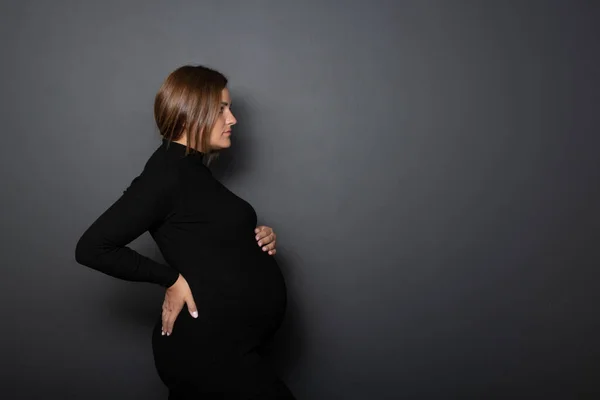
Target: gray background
431 168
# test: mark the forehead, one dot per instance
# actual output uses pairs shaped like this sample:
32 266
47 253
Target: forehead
226 96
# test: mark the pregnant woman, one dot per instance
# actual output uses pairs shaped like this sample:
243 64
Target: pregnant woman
231 285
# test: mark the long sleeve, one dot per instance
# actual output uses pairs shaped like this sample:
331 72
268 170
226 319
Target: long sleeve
104 245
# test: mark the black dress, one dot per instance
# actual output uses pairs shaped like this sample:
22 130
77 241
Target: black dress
206 233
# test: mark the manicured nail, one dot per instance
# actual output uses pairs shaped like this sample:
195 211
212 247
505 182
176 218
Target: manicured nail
162 333
265 248
195 314
256 237
168 333
260 243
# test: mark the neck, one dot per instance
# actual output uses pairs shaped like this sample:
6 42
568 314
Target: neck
184 142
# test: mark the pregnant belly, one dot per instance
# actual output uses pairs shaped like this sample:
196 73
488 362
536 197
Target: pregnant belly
243 286
241 301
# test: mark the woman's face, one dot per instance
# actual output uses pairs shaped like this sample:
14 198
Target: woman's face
220 137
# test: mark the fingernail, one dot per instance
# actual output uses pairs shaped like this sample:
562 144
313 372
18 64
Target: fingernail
162 333
195 314
265 248
260 243
256 237
168 333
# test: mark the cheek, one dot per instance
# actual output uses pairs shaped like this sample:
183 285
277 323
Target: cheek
218 129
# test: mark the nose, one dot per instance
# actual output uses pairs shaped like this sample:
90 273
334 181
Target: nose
231 119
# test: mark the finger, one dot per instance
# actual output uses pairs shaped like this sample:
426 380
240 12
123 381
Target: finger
164 318
272 238
267 239
192 307
270 246
259 228
164 313
272 252
171 321
264 233
170 311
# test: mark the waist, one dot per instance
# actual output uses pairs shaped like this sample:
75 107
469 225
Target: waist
220 260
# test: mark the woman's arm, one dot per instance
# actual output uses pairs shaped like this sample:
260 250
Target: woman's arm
103 246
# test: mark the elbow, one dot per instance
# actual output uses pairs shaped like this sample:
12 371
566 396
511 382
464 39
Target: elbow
85 250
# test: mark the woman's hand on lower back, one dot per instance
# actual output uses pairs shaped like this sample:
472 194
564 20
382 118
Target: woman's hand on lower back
176 296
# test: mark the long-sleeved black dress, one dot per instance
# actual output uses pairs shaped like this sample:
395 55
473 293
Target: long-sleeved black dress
206 233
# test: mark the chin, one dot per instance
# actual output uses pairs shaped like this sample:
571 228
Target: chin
223 144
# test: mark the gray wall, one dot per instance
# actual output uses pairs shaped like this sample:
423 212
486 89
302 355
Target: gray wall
431 168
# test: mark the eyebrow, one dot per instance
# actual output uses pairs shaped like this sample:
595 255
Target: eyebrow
225 103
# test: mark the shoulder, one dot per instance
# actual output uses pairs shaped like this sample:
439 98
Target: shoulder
157 178
171 171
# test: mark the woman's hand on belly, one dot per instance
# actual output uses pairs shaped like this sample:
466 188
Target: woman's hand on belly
176 297
266 238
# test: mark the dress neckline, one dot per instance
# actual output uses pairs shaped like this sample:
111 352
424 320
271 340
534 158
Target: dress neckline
178 150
